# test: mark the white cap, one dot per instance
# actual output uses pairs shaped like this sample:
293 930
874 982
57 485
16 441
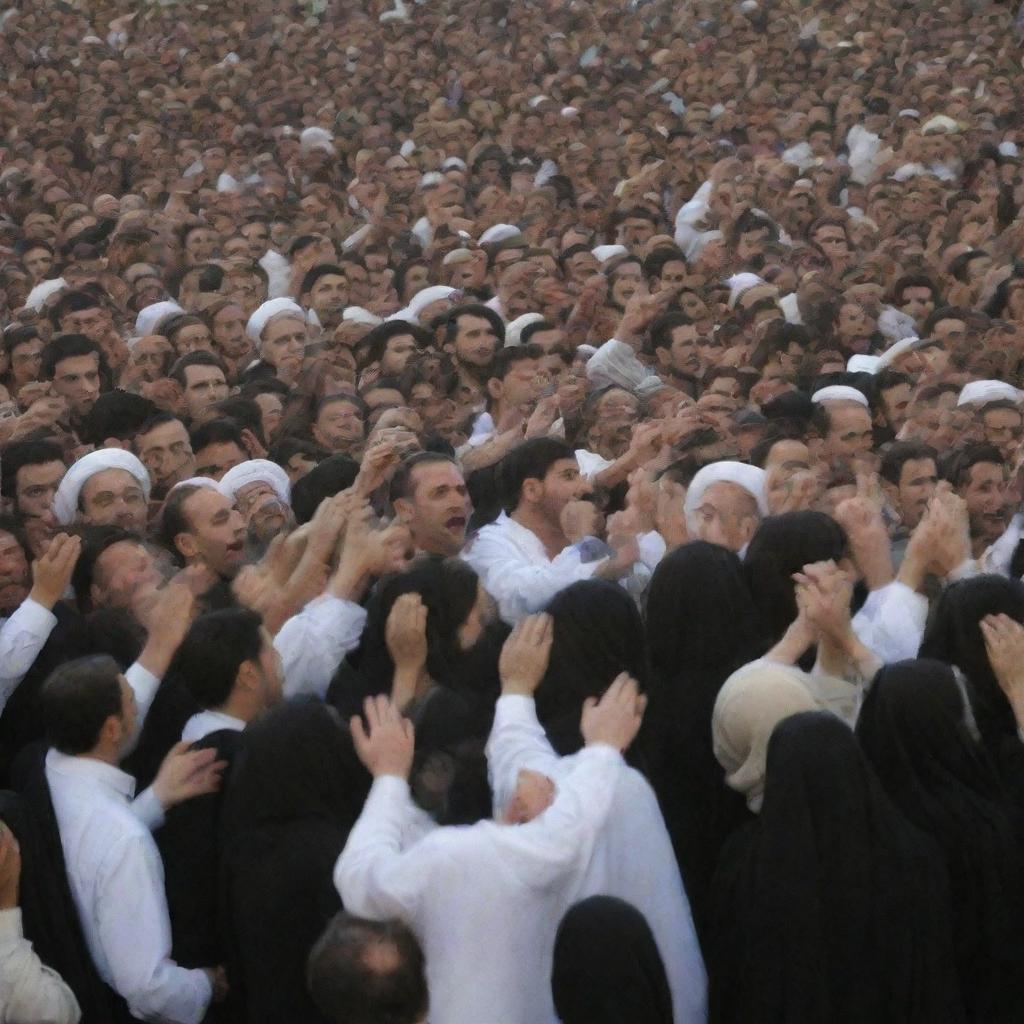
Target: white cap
514 330
862 364
150 316
981 392
839 393
750 478
255 471
65 501
267 311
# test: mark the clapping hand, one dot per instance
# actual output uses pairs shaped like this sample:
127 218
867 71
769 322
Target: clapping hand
524 657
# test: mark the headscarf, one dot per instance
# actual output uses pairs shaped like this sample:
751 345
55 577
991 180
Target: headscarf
607 968
751 703
912 730
598 633
830 906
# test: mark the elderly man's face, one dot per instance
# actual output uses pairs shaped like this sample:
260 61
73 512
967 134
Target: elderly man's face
114 497
727 515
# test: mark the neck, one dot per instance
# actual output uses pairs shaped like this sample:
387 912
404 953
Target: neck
238 707
550 534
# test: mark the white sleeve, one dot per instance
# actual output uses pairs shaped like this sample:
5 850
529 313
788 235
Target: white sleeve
312 643
891 623
373 876
30 993
615 362
517 741
521 587
148 809
144 685
22 637
134 931
652 548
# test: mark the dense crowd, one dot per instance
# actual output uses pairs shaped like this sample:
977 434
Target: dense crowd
511 511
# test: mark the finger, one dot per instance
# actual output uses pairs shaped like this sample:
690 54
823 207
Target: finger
370 713
359 737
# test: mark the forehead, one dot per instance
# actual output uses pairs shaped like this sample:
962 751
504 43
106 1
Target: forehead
204 504
330 280
79 364
108 480
283 326
200 373
434 474
9 543
40 471
164 432
122 551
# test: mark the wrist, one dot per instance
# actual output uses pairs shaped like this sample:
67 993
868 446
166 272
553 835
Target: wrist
350 581
518 687
43 598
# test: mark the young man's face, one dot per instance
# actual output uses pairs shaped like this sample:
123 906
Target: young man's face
77 379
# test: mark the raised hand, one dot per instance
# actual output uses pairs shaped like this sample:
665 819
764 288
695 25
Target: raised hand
524 657
187 773
387 743
1004 644
405 632
615 718
51 572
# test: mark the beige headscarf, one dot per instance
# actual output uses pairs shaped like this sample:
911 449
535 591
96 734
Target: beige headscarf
752 701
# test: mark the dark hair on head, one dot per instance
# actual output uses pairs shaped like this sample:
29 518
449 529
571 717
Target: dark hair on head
377 338
71 346
213 651
199 358
286 448
264 386
888 378
117 414
76 301
1000 403
77 698
330 477
402 272
15 336
536 328
348 982
159 419
401 482
944 313
19 454
95 540
915 281
219 431
784 430
316 272
660 331
450 320
901 452
530 460
506 358
655 264
956 465
245 412
173 519
12 525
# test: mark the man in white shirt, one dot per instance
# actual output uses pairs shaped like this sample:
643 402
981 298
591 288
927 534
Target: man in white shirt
429 495
548 539
484 900
113 866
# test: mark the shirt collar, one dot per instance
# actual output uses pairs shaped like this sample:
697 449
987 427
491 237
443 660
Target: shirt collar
90 768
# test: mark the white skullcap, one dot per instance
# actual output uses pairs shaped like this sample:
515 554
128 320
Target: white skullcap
839 393
740 283
423 298
149 316
603 253
359 315
981 392
750 478
1007 148
893 352
42 291
197 481
909 112
65 501
570 111
316 138
256 471
271 308
538 100
862 364
408 148
499 233
514 330
453 163
940 123
430 179
457 256
894 324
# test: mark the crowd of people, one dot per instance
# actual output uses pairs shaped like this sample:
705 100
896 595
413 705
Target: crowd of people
511 512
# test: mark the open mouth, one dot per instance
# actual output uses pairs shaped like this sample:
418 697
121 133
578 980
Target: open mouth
236 547
456 523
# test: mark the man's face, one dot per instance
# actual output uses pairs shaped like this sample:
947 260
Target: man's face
683 355
123 573
896 405
204 385
918 480
397 352
26 360
849 432
284 344
832 239
77 379
634 233
35 487
264 513
562 483
727 515
114 496
201 246
229 332
166 452
950 333
986 499
14 574
339 426
1003 428
438 508
521 385
216 459
94 323
625 283
258 237
672 273
217 534
38 262
329 297
475 341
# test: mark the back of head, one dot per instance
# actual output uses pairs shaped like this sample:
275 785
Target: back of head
607 967
326 479
368 972
77 698
213 651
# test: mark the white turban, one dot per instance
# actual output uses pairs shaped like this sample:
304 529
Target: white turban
839 393
271 308
316 139
196 481
256 471
65 501
741 283
42 291
359 315
895 325
420 301
750 478
862 364
981 392
150 316
514 330
603 253
499 233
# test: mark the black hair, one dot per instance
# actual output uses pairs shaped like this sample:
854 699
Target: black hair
401 482
330 477
70 346
199 358
95 540
117 414
18 455
316 272
901 452
529 461
213 651
77 698
220 431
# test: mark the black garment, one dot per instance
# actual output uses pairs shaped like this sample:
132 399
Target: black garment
49 915
189 843
598 634
912 730
295 791
953 635
830 908
607 968
701 626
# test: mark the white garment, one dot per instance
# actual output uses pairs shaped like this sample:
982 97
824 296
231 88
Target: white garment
22 637
117 881
312 643
616 363
891 622
591 463
515 569
644 874
144 685
30 993
200 726
485 900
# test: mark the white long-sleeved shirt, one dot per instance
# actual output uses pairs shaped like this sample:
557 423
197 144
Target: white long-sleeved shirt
516 571
117 882
22 637
632 859
485 900
30 993
313 642
891 622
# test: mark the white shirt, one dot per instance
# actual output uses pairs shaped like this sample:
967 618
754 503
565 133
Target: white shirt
485 900
30 993
632 858
22 637
515 570
616 363
891 621
202 724
117 881
312 643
